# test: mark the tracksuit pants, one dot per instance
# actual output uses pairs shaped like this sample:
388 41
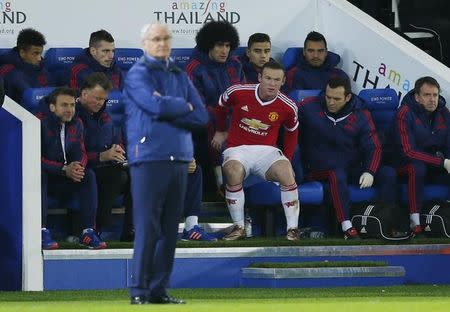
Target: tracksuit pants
339 179
65 190
417 173
194 193
112 181
158 189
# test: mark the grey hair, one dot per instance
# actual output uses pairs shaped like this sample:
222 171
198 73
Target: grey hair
144 31
146 28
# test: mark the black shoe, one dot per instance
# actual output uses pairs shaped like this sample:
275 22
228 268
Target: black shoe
139 300
166 299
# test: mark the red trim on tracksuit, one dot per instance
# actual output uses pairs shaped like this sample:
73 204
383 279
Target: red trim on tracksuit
410 172
5 69
374 164
406 144
190 67
74 73
330 176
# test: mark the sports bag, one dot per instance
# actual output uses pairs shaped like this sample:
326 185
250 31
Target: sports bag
435 219
374 220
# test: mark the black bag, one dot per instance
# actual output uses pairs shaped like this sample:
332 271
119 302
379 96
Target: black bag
435 219
374 220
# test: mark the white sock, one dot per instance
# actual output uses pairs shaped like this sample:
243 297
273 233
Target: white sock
346 224
414 219
218 175
190 222
235 198
291 205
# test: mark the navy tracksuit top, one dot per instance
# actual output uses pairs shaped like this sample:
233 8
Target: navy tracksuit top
98 134
52 159
85 65
212 78
343 140
19 76
305 77
419 135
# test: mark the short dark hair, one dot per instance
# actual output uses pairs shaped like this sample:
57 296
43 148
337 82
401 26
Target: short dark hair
216 31
97 79
99 35
344 82
29 37
51 98
272 64
257 37
426 80
315 36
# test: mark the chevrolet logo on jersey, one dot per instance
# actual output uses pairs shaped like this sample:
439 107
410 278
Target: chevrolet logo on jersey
255 124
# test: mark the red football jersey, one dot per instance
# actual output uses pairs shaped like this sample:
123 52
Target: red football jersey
253 121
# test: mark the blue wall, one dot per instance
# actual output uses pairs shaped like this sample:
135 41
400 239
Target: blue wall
199 272
10 202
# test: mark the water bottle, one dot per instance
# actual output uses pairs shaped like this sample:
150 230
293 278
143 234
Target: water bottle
248 226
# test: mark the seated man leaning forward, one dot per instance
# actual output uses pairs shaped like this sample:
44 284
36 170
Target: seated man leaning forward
258 112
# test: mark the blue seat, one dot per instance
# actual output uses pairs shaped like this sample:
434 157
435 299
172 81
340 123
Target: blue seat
268 193
382 104
261 192
358 195
299 95
126 57
58 62
432 192
60 58
290 57
239 51
4 50
116 109
181 56
32 96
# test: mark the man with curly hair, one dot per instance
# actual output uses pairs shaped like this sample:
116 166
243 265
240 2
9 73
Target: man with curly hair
212 69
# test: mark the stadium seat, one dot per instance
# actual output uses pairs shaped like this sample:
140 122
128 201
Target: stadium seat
239 51
32 96
261 192
382 104
126 57
290 57
115 107
299 95
4 50
432 192
181 56
58 62
268 193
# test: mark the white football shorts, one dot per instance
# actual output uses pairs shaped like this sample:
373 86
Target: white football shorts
256 159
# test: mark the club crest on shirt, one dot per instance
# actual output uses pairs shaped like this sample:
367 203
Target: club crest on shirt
273 116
